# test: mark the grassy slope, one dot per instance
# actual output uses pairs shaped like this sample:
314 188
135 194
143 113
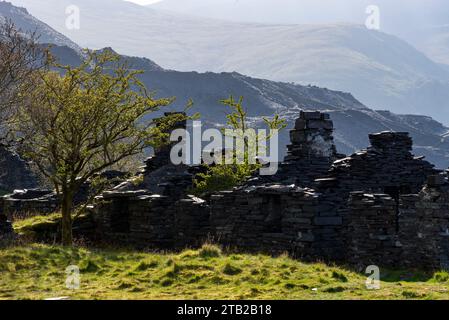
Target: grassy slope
38 272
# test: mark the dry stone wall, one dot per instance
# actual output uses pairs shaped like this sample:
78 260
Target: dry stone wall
310 154
372 231
424 226
140 219
381 206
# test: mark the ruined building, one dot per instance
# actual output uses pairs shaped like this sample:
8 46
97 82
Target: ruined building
380 206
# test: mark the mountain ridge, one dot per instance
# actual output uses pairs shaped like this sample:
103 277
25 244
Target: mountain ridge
380 70
353 120
24 21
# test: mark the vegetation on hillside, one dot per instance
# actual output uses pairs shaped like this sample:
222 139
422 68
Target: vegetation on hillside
39 272
224 175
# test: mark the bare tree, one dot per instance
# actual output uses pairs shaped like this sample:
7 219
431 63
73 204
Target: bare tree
20 56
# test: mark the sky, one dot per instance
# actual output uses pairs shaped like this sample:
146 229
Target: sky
143 2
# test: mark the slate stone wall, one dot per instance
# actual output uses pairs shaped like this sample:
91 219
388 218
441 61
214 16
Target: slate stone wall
272 219
150 221
29 202
424 226
372 231
373 207
386 167
310 154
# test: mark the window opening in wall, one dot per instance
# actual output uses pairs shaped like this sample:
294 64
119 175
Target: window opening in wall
273 207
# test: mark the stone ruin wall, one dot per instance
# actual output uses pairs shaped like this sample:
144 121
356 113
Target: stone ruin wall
424 226
140 219
28 202
414 233
367 208
310 153
268 219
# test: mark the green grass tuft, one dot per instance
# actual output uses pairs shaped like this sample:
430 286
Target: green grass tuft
441 276
210 251
39 272
230 270
339 276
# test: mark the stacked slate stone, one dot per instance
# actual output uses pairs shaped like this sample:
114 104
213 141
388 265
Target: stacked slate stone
424 226
161 176
354 210
151 221
33 201
391 142
276 219
134 218
311 152
387 166
253 219
43 201
191 222
371 231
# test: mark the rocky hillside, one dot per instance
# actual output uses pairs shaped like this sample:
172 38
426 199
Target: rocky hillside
353 120
26 22
380 70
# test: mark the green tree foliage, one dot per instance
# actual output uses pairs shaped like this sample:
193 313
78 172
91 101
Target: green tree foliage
228 174
78 124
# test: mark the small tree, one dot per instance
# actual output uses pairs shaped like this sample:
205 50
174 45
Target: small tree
92 117
224 176
20 57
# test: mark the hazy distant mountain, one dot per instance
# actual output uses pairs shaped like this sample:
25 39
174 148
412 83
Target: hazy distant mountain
380 70
353 121
396 15
412 20
435 43
24 21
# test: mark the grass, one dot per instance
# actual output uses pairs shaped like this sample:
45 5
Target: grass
23 226
38 272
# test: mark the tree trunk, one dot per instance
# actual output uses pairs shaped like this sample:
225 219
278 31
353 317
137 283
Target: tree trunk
66 210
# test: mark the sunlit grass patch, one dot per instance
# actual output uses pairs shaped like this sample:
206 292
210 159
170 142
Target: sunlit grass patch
39 272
